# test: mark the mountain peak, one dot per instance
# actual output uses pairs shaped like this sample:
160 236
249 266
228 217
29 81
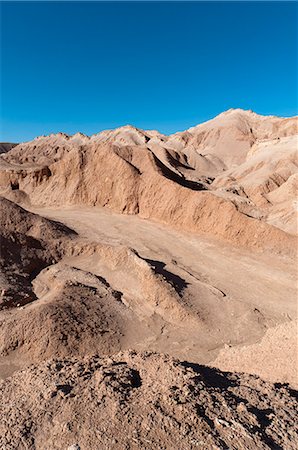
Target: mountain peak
237 110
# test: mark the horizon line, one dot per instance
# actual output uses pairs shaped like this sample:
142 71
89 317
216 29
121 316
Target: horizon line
144 129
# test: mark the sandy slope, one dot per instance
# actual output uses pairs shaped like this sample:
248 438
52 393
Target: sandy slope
276 352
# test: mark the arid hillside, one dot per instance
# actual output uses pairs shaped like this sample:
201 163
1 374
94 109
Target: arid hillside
217 178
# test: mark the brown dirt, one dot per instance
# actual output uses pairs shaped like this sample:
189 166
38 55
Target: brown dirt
145 401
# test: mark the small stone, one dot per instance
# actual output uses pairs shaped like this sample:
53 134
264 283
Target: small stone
74 447
222 422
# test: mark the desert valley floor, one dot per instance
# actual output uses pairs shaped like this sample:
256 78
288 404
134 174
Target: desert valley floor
260 325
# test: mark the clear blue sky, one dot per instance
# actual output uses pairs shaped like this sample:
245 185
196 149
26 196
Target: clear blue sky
90 66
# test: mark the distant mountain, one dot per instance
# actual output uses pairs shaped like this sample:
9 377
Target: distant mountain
214 178
6 146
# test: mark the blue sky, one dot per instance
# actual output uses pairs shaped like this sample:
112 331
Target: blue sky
89 66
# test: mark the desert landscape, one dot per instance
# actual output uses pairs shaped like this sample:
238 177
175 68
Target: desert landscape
149 288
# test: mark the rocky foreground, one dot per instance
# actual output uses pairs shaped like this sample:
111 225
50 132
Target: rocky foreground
147 401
